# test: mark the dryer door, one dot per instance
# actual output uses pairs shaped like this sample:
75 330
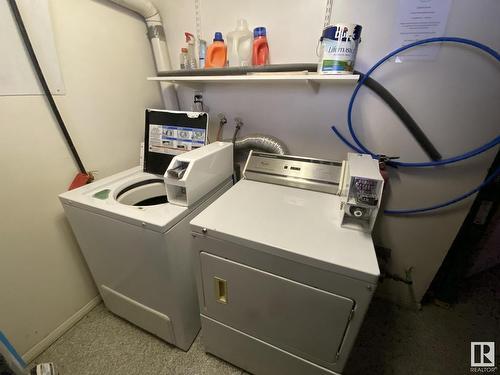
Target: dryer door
295 317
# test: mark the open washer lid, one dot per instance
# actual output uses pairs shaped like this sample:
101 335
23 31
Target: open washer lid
170 133
131 196
297 224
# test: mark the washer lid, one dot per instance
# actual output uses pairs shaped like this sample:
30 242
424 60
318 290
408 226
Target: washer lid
170 133
114 197
297 224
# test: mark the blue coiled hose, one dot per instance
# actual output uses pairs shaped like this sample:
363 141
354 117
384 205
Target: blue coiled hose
359 147
410 211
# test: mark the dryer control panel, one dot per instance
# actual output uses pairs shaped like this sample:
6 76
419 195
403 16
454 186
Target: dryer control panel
357 181
295 171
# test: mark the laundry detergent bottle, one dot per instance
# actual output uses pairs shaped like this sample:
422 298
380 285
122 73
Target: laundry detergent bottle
239 45
260 52
216 53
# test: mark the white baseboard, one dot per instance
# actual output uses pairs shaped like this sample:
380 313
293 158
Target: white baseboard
36 350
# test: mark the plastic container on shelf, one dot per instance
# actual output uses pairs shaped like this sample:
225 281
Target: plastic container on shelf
183 59
239 45
191 54
216 53
338 48
260 50
202 52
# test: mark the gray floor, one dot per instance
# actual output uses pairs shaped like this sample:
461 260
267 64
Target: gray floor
392 341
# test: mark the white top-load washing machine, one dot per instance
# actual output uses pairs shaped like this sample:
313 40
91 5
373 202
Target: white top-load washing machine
133 230
286 266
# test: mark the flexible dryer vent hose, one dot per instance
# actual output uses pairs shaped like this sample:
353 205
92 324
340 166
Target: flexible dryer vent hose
265 143
259 142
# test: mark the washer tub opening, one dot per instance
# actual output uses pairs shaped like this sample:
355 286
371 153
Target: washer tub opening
144 193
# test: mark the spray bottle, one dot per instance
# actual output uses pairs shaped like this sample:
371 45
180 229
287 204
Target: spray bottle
183 59
191 59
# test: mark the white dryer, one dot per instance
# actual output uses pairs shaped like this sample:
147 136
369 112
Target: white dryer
136 239
283 285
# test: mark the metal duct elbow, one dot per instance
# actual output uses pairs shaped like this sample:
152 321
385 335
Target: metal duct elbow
144 7
158 42
156 33
265 143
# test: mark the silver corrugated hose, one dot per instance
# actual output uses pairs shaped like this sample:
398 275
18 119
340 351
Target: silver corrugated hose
261 142
258 142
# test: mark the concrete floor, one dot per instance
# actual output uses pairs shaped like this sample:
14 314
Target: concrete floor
392 341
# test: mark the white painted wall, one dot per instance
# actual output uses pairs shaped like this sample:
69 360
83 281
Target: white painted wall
454 99
104 57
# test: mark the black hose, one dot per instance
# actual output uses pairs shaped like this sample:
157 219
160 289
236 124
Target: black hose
240 70
372 84
403 115
43 82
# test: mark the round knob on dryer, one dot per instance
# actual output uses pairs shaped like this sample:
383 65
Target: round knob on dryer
357 212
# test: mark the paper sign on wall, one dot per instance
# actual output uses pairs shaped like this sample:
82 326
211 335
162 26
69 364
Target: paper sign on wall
417 20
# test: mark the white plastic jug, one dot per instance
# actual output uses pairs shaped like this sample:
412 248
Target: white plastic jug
239 45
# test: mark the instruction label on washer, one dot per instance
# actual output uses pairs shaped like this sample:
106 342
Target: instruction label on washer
170 139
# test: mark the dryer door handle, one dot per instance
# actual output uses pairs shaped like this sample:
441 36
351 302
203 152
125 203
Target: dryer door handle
220 290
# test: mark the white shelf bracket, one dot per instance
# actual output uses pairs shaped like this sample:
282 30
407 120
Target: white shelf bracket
197 86
314 85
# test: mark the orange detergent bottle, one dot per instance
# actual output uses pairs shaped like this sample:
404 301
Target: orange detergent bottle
216 53
260 53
